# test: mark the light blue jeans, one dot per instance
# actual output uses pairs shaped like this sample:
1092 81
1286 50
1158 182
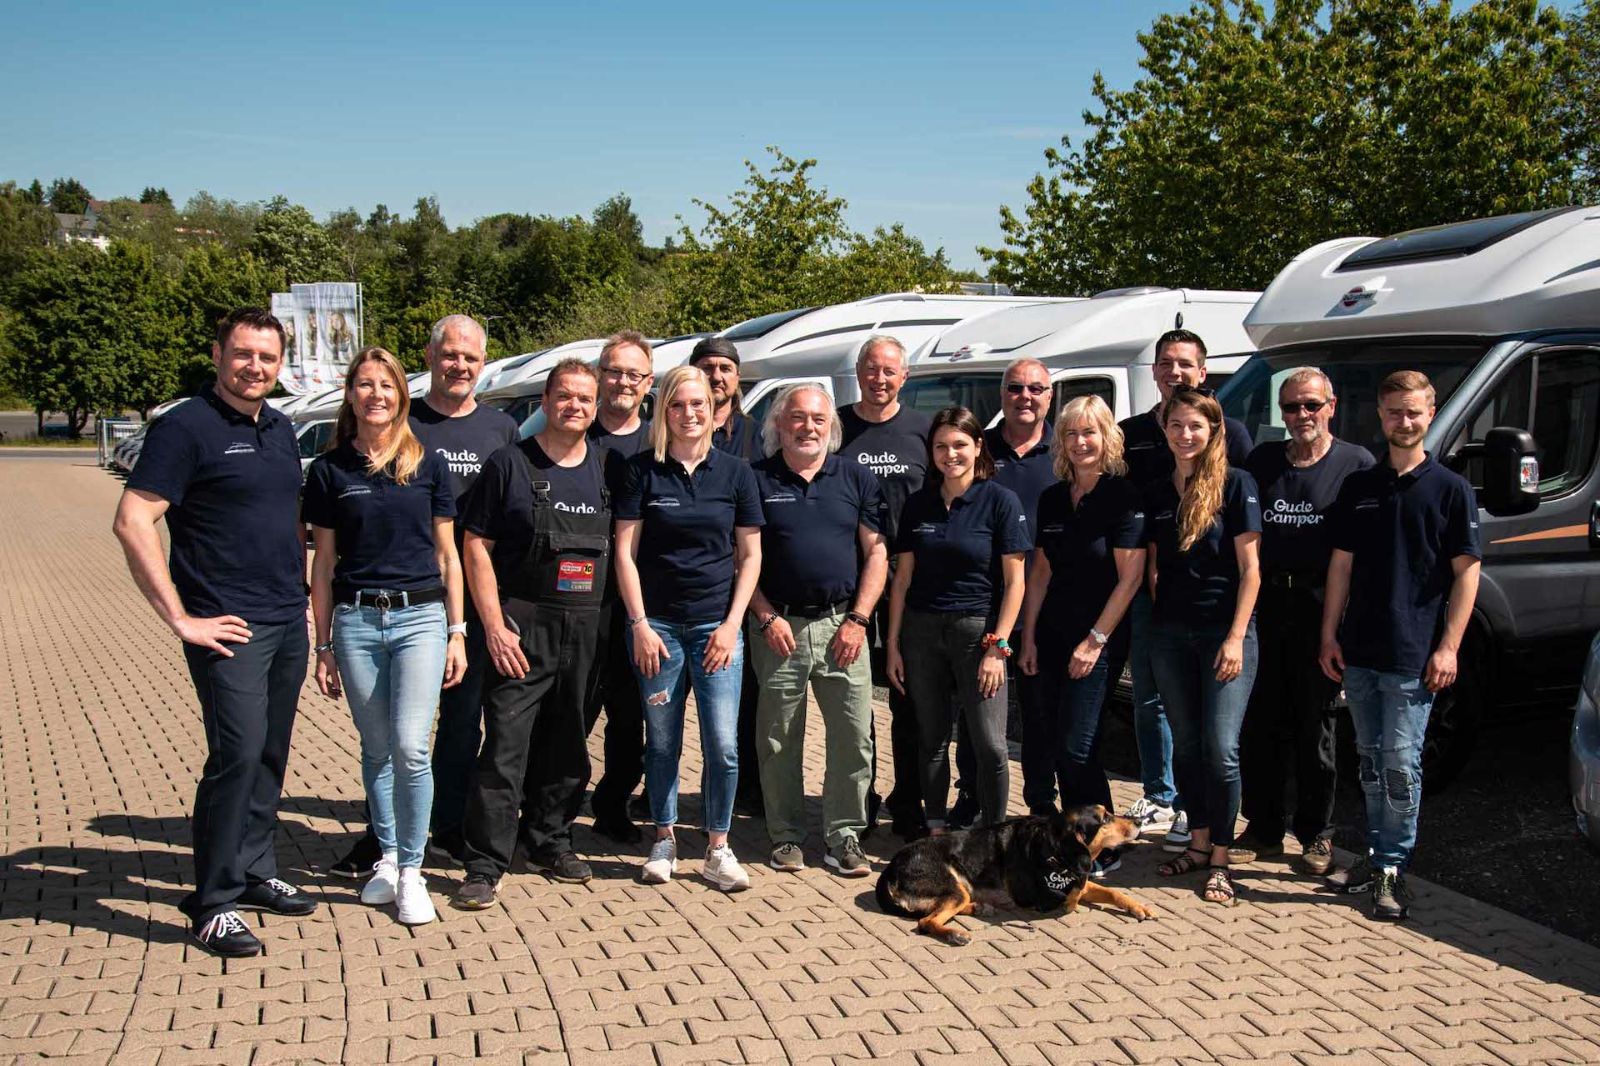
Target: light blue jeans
392 664
1152 733
665 698
1390 712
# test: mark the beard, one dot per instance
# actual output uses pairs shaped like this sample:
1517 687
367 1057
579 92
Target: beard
1406 438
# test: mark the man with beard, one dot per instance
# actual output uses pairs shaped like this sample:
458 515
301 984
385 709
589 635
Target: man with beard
538 548
223 469
451 423
1402 578
1290 724
619 429
732 430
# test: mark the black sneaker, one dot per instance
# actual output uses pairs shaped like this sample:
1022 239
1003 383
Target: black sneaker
909 829
226 935
477 893
447 845
564 866
1357 878
963 813
277 897
357 863
750 803
1108 860
618 827
1390 898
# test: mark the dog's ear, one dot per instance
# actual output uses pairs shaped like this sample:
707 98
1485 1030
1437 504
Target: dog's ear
1084 822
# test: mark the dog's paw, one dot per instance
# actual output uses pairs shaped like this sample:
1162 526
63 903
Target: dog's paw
1142 912
957 940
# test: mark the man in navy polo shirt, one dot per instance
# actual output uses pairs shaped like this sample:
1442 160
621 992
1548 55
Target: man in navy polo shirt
223 469
1403 578
1180 359
891 440
810 625
1020 448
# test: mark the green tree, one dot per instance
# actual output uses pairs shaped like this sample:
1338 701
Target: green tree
25 230
1251 136
292 248
212 281
155 195
68 196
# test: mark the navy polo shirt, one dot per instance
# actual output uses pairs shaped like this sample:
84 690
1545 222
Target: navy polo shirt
233 483
1295 501
809 546
1026 475
1080 544
1149 457
738 436
958 550
501 506
382 530
1200 585
686 529
1402 531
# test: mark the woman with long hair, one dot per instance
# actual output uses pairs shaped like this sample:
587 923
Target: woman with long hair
688 555
1203 526
386 595
957 589
1088 565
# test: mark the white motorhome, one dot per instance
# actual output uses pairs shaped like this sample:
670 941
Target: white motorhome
820 343
1103 345
1503 315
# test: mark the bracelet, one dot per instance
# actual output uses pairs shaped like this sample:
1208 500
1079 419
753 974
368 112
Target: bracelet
456 627
635 621
1098 637
858 619
999 643
320 648
764 626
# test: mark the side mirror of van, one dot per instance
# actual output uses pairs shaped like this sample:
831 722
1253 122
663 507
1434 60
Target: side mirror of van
1510 471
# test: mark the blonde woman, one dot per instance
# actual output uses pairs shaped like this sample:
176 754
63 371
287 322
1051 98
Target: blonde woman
386 594
1203 526
1088 563
688 555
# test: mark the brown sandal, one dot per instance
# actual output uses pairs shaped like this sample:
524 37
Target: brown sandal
1184 863
1219 888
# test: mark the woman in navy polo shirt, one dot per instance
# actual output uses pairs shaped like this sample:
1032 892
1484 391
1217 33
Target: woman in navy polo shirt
688 555
1203 525
1089 563
387 597
957 590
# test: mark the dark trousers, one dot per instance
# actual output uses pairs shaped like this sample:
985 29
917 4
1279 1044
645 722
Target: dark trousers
1292 722
618 692
1061 735
749 787
247 704
904 802
535 757
458 737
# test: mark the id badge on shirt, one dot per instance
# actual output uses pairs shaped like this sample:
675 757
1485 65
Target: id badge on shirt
575 575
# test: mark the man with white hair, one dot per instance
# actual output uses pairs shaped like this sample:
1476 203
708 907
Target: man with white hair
810 616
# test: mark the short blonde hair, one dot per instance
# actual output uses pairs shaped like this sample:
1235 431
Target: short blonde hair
671 382
1093 410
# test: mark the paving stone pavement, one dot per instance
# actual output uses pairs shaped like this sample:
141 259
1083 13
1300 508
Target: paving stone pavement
100 743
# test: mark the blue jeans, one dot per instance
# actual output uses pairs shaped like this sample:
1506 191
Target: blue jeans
1390 712
716 696
1206 717
392 664
1074 708
1151 731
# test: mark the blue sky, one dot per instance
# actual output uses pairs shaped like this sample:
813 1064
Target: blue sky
930 114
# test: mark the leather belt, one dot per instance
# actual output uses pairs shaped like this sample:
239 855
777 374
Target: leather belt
1288 579
387 599
805 610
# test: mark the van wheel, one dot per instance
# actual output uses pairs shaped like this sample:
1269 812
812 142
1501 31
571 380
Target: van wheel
1458 711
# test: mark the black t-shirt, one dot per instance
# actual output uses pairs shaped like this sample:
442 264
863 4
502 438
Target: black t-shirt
233 483
739 436
501 506
1199 585
1080 544
382 531
462 443
1295 502
1149 457
619 448
958 550
896 450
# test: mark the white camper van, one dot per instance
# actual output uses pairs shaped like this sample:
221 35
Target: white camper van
1503 315
1103 345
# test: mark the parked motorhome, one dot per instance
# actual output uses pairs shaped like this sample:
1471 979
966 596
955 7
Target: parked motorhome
1503 315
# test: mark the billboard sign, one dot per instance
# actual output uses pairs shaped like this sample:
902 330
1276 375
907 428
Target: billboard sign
323 322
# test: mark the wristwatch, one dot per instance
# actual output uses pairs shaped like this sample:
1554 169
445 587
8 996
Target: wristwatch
1098 637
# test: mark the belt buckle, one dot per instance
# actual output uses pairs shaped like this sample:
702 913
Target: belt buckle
381 600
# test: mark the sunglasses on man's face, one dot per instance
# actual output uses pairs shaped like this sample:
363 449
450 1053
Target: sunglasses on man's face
1017 388
1310 407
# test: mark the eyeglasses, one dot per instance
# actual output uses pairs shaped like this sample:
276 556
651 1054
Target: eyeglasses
631 377
1016 388
1310 407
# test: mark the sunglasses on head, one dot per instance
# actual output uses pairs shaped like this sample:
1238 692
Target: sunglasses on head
1310 407
1017 388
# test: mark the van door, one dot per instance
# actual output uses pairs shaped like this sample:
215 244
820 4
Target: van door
1541 578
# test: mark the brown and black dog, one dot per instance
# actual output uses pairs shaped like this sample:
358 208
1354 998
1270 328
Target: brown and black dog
1039 862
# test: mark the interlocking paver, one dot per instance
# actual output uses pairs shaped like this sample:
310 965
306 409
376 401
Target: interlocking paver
100 743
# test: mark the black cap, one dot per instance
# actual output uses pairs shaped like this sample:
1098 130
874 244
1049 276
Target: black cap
719 346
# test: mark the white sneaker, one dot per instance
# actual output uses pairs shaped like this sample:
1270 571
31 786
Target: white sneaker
662 864
414 904
724 871
381 886
1178 836
1149 815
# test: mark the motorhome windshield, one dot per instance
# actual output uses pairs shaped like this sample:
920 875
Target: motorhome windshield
760 327
977 391
1356 369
